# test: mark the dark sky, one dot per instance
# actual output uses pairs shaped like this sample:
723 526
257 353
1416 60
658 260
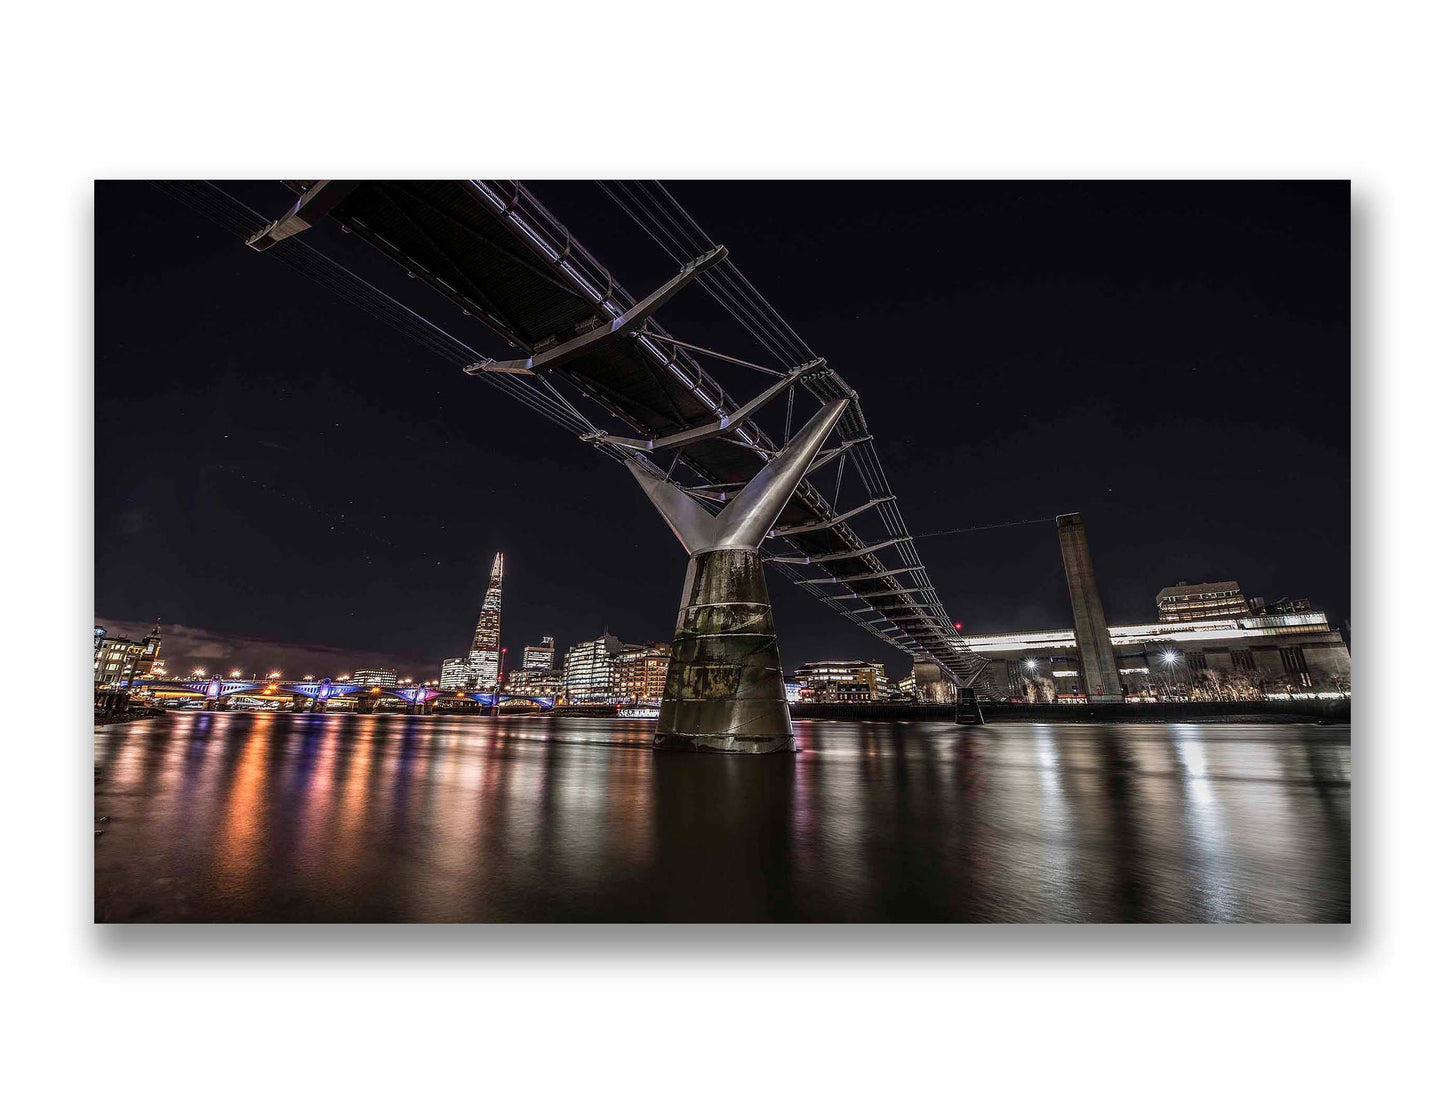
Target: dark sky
279 473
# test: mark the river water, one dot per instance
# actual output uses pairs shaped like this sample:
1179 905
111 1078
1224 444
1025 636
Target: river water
336 817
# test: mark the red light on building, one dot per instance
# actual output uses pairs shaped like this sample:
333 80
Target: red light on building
958 626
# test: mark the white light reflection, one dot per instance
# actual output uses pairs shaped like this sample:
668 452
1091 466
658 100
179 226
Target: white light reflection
1205 822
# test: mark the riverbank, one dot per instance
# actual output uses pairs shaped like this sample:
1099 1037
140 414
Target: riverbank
120 716
1299 711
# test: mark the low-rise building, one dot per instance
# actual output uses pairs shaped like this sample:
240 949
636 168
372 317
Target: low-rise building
119 662
639 676
845 680
1239 658
535 682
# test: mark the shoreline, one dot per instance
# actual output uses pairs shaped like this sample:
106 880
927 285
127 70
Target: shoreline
1278 712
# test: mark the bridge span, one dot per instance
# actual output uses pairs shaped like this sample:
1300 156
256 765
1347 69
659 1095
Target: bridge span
787 478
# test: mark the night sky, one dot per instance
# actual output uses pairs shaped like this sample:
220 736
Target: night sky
283 480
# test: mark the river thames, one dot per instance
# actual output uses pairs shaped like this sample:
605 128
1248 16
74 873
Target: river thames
336 817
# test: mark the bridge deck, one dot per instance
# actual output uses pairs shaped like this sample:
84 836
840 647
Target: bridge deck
496 253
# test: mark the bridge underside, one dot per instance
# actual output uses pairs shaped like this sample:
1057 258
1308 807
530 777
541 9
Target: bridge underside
499 256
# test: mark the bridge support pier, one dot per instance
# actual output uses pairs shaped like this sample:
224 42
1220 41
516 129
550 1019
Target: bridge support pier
966 709
725 682
724 690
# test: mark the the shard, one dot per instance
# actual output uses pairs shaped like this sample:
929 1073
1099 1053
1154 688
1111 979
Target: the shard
486 654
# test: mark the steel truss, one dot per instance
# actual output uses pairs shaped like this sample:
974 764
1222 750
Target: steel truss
930 634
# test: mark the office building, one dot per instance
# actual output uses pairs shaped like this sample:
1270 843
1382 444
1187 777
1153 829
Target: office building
639 675
374 676
587 670
534 682
541 656
457 674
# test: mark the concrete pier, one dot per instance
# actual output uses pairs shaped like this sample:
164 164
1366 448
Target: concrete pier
725 682
724 689
966 709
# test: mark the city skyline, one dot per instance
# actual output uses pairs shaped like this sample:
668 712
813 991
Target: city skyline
1236 341
190 650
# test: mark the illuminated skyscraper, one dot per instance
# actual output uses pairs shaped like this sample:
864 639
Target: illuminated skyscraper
486 653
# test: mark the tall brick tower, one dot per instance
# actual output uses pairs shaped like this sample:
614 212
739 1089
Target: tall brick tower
1091 631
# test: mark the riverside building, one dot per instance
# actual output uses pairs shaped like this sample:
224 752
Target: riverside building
457 674
119 661
375 676
840 680
541 656
639 676
1236 658
587 670
535 682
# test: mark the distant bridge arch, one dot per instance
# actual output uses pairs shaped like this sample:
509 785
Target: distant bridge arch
216 689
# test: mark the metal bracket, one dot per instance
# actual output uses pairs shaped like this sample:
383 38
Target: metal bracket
793 530
719 427
833 453
564 351
745 521
310 209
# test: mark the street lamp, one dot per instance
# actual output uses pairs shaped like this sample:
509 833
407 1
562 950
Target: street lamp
1169 659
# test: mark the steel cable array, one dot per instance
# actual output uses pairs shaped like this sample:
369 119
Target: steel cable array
241 221
670 225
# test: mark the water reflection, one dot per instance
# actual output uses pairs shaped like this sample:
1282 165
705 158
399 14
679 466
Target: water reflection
236 816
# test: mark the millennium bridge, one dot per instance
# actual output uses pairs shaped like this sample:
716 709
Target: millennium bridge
807 498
